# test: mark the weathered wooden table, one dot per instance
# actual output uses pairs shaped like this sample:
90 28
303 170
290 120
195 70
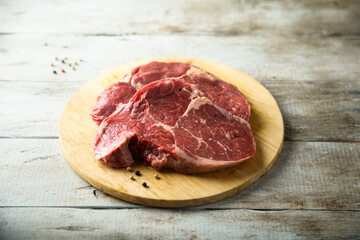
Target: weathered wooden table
307 53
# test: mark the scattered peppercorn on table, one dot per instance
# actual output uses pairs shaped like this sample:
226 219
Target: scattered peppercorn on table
309 62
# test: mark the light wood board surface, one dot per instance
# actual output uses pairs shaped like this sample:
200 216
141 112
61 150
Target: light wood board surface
173 189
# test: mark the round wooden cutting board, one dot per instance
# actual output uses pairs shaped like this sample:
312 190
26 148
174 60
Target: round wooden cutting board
77 131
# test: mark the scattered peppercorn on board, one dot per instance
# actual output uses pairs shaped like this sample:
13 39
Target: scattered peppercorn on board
171 189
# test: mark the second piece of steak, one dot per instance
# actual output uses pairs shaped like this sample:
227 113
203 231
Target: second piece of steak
219 92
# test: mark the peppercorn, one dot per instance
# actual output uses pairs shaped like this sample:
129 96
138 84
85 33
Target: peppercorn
54 72
62 70
132 178
73 68
69 64
138 173
63 61
156 176
144 184
56 58
51 64
128 169
75 63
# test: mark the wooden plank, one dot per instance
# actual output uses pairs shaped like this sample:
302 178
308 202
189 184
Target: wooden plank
263 58
309 108
213 17
306 176
47 179
318 110
55 223
33 109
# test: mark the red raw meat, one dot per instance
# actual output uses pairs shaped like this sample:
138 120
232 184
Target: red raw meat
170 123
219 92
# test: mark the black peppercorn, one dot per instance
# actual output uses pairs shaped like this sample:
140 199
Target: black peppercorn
138 173
144 184
54 72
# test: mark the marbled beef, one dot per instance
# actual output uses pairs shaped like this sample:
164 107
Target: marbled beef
171 123
219 92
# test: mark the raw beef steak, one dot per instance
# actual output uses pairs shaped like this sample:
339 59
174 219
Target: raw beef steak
110 98
219 92
169 123
153 71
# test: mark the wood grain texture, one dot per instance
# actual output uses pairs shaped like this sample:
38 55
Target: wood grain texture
307 175
264 58
54 223
77 131
320 18
318 110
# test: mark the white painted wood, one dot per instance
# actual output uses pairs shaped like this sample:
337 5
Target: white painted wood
306 176
33 109
33 172
264 58
181 17
309 108
305 52
54 223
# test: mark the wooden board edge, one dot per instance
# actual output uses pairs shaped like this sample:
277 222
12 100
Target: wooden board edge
172 203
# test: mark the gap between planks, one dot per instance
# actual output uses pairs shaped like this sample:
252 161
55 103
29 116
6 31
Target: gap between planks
186 208
194 34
